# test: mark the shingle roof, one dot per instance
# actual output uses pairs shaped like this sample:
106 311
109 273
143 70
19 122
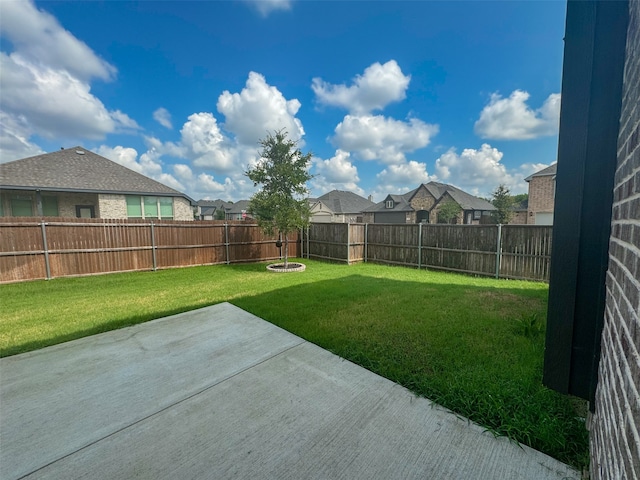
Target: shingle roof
550 170
340 201
465 200
79 170
238 206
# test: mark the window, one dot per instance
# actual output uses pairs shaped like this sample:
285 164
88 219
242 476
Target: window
85 211
150 207
21 206
50 206
477 214
389 204
134 207
166 208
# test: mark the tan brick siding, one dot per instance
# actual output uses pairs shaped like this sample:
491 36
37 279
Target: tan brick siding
67 203
112 206
182 209
519 218
615 425
541 196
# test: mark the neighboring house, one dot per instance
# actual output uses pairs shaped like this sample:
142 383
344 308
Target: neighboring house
422 205
79 183
338 206
542 194
213 209
239 211
520 213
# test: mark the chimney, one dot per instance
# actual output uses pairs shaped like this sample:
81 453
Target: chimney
370 198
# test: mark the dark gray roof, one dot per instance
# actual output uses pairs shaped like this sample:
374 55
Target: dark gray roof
462 198
209 207
465 200
78 170
550 170
340 201
400 204
238 206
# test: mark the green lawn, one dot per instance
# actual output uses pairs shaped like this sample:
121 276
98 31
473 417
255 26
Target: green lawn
473 345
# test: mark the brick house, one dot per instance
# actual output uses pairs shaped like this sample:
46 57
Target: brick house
542 193
78 183
593 322
423 204
338 206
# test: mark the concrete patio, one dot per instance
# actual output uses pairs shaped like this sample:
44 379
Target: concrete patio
219 393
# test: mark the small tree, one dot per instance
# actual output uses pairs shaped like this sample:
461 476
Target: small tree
282 174
503 201
448 211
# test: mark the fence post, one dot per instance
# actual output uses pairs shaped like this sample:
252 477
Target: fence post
45 248
226 242
499 250
366 238
419 245
348 242
153 247
308 252
301 235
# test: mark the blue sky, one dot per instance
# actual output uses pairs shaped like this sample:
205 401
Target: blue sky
386 95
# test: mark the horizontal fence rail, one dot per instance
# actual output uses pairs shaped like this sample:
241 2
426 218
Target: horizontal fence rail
500 251
51 248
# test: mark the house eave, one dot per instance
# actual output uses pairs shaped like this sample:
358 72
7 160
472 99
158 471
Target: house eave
37 188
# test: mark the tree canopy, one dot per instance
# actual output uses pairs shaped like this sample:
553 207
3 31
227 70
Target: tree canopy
448 211
282 175
503 201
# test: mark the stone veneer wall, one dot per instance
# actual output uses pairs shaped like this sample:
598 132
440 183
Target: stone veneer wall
541 196
182 209
111 206
615 425
67 203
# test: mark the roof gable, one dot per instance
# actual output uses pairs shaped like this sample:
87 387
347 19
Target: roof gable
550 170
79 170
340 201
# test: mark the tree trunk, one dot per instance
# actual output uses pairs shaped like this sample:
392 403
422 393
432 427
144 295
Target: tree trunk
286 251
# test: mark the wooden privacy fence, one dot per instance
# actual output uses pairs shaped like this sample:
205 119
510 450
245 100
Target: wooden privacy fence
501 251
68 247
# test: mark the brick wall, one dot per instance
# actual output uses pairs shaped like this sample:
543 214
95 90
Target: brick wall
182 209
615 425
541 196
67 202
111 206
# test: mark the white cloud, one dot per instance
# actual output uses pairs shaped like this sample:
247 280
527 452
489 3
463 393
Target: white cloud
259 108
480 171
14 139
148 164
402 178
512 119
374 90
40 39
265 7
381 138
336 173
337 169
54 103
163 117
45 80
